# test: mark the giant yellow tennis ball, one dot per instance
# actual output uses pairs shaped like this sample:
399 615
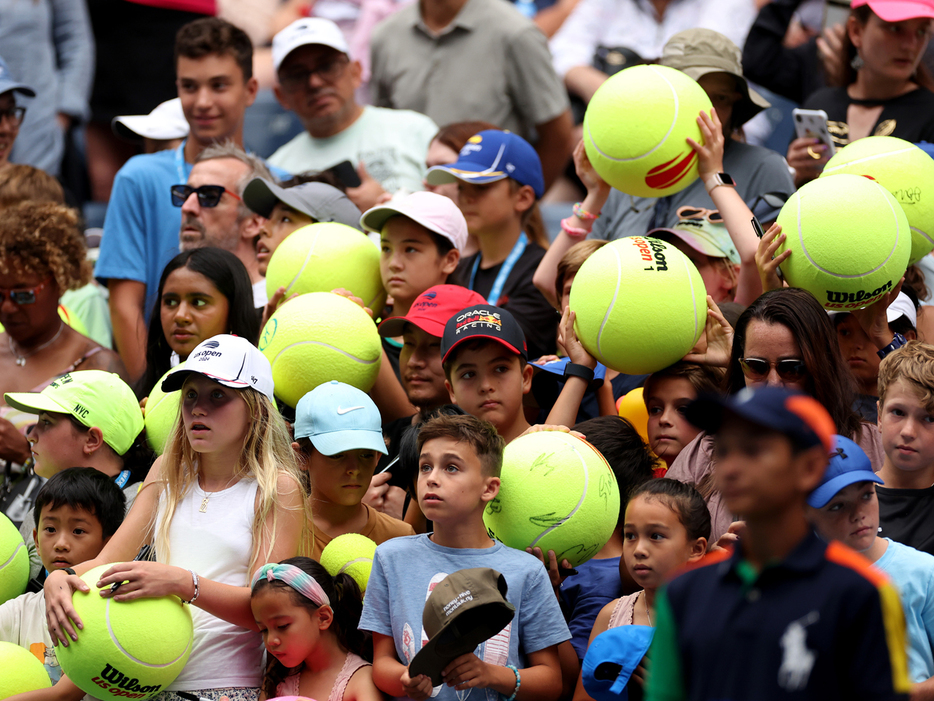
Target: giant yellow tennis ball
126 650
160 415
323 257
14 561
320 337
904 170
557 493
849 240
635 129
640 304
351 553
20 671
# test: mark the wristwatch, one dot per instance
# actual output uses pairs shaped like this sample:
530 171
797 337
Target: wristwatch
896 343
718 179
581 371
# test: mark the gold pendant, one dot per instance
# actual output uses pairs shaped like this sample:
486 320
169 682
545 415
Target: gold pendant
204 504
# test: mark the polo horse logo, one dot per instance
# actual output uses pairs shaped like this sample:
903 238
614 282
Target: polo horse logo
797 659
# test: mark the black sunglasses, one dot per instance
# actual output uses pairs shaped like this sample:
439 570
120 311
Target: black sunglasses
789 369
208 195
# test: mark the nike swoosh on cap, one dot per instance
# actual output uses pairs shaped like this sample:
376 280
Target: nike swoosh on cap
342 411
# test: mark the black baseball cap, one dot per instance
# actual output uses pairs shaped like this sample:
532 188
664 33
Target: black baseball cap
483 321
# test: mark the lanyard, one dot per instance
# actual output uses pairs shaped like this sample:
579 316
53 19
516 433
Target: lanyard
180 163
504 271
122 478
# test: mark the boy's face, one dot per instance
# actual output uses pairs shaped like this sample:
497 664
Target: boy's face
342 478
214 95
283 220
667 428
420 368
66 536
451 482
488 382
409 262
758 473
55 444
907 428
852 516
566 292
492 207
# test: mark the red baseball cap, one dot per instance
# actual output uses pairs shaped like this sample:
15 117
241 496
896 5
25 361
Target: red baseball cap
898 10
432 309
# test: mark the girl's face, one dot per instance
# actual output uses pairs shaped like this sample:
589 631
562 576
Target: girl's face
852 516
55 444
655 542
290 632
192 310
216 417
343 478
669 432
409 261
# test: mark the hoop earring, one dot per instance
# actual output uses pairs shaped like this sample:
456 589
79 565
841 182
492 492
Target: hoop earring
857 62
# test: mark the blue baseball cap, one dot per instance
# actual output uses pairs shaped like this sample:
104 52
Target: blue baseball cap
336 418
611 659
848 465
7 82
490 156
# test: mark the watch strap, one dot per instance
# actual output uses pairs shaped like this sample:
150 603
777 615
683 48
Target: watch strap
581 371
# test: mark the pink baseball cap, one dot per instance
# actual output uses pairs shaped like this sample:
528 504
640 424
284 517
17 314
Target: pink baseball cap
432 309
435 212
898 10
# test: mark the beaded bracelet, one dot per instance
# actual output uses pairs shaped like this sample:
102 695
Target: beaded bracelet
583 214
518 682
573 231
194 580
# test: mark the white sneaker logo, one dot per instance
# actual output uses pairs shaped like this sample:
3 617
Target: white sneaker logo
341 411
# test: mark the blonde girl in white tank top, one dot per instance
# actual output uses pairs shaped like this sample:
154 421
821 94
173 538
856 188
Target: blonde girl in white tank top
225 497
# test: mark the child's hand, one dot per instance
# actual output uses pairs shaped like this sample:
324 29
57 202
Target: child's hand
554 572
417 689
60 613
731 537
552 427
767 262
585 171
274 303
710 155
468 671
873 318
356 300
567 339
716 345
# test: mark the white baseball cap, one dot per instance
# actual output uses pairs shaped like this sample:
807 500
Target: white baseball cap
228 360
166 121
302 32
435 212
902 306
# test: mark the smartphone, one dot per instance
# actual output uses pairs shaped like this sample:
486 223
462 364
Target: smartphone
813 124
345 173
835 12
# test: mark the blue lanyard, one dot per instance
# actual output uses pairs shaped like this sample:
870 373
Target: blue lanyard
504 271
180 163
122 478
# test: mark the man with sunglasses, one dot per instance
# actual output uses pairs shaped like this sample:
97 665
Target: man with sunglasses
11 115
317 79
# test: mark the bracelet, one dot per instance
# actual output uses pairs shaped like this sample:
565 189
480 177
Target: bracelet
583 214
577 370
897 342
518 682
573 231
194 579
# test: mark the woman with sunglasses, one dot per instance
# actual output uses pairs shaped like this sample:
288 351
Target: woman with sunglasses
42 254
202 293
784 338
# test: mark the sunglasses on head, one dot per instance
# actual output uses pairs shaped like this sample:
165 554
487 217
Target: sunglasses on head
689 212
789 369
23 295
208 195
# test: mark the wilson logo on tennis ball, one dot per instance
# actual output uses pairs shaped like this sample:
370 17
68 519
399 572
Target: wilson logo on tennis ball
671 172
118 684
853 300
651 251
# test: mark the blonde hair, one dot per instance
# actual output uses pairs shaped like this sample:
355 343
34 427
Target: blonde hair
913 363
571 262
267 453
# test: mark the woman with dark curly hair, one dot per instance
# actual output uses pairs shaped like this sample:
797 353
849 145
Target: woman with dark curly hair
42 254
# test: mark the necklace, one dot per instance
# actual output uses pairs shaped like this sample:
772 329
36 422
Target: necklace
21 359
645 600
207 495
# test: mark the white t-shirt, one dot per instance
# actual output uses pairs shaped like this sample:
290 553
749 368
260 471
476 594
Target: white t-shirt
392 144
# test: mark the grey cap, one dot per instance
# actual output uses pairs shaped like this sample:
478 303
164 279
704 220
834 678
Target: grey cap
320 201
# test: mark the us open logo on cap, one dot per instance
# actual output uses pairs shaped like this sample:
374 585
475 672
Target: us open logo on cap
211 344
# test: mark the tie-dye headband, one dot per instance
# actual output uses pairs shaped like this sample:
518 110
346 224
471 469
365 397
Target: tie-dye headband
298 579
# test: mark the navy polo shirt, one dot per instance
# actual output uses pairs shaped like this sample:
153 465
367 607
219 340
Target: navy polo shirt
821 624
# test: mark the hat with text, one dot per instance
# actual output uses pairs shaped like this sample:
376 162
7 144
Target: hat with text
431 310
336 418
848 465
464 609
490 156
898 10
611 659
228 360
437 213
483 321
96 398
703 236
320 201
8 83
305 32
166 121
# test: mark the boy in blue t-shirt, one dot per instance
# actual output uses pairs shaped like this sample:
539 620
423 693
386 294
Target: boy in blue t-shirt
459 463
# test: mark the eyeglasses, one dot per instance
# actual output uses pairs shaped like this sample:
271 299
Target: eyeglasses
771 200
789 369
23 295
328 71
208 195
14 113
689 212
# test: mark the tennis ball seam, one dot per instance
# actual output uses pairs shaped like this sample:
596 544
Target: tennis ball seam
577 506
13 555
116 642
923 233
355 561
298 275
326 345
874 156
609 309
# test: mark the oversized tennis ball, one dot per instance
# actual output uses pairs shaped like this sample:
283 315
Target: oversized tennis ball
127 649
160 415
322 257
640 303
14 561
557 493
351 553
317 338
635 129
21 671
904 170
72 319
849 239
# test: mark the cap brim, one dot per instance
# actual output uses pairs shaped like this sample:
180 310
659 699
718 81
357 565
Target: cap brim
474 336
34 403
17 87
174 381
696 242
556 367
748 106
261 196
464 172
820 497
394 326
137 127
341 441
901 11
